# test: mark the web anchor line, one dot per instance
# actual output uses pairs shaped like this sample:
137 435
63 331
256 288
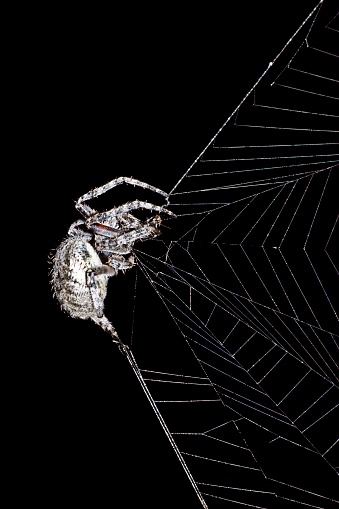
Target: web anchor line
127 353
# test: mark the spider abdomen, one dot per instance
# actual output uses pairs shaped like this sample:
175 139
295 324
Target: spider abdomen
73 258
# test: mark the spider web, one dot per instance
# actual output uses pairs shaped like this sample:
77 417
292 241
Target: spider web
246 382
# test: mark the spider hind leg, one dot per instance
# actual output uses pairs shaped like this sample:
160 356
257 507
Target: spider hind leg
106 325
92 284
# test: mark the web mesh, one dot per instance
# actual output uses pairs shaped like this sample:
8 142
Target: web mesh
244 370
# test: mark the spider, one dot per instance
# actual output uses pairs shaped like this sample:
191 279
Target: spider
98 247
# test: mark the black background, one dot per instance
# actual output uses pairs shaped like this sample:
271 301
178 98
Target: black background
136 91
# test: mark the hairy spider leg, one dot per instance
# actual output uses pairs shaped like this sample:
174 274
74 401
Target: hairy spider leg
92 284
137 204
143 232
101 319
87 211
97 223
75 230
93 288
106 325
118 262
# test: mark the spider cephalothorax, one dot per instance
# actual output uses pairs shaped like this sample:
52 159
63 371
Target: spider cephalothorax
98 247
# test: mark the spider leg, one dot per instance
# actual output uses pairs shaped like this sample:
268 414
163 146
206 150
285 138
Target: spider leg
106 325
100 319
118 262
87 211
92 284
137 204
125 241
75 230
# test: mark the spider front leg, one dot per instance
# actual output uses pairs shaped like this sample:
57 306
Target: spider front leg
87 211
137 204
